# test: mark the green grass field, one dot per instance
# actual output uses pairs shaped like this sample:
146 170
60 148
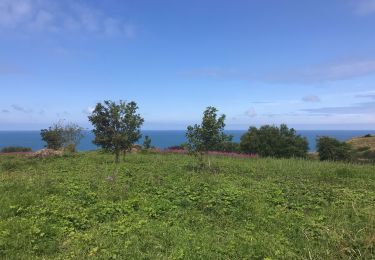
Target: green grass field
155 206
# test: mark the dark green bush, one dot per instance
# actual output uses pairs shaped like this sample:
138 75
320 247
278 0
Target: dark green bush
15 149
280 142
363 148
62 135
229 147
368 155
53 137
333 150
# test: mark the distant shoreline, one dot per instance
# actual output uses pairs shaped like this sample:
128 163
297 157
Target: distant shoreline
163 138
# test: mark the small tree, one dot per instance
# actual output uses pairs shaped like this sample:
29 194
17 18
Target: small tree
147 142
332 149
207 136
53 137
116 126
62 135
274 141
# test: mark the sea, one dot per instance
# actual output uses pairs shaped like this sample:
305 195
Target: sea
163 138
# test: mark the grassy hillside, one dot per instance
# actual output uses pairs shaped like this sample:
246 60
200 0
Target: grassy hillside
360 142
364 147
156 206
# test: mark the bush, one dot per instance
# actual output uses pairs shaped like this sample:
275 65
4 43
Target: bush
280 142
60 136
176 147
229 147
369 155
15 149
53 137
333 150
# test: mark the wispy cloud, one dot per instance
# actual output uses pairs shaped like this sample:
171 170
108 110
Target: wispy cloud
63 114
311 98
295 114
372 96
355 109
14 12
327 72
21 109
61 16
308 75
251 112
364 7
5 111
262 102
221 74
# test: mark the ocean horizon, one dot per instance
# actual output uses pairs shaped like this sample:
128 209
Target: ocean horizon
163 138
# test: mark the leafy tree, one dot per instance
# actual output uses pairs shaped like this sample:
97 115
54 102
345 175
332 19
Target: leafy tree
62 135
147 142
116 126
207 136
332 149
274 141
53 137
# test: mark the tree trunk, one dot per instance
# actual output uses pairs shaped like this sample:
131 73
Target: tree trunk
117 154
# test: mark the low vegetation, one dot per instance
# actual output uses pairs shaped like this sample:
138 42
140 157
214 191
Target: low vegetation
15 149
156 206
331 149
57 204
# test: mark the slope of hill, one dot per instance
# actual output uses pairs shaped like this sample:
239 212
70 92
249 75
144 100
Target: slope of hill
363 142
364 147
157 206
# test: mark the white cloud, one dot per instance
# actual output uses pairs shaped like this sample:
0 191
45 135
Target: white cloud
308 75
88 111
365 7
60 16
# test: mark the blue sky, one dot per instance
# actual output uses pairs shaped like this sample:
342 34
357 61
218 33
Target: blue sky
310 64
